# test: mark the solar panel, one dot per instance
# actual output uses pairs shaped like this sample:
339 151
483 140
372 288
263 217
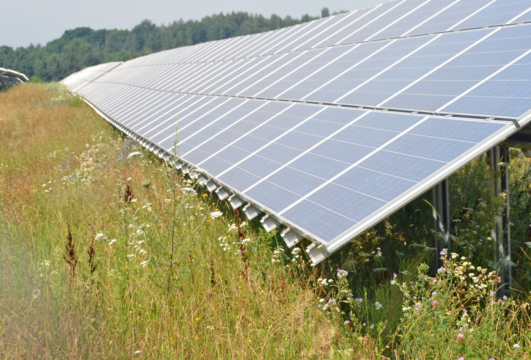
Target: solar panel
81 78
330 126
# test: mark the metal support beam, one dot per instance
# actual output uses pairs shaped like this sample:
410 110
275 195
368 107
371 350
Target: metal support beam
498 159
441 217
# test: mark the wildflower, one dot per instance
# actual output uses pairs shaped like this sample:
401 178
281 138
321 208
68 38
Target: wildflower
460 338
197 319
461 358
444 252
360 300
492 293
377 305
137 352
233 227
112 241
245 241
347 322
99 236
435 304
130 255
189 191
36 293
243 224
395 275
134 200
341 273
215 214
516 346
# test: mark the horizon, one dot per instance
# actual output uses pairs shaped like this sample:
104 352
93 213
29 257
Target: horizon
45 22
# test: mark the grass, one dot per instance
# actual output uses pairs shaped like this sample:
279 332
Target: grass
106 252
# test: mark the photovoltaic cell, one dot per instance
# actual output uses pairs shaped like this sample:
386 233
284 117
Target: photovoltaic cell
279 131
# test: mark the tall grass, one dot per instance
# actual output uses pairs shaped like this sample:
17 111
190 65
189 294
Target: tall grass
107 252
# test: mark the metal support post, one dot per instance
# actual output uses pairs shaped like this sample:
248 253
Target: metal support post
441 217
498 159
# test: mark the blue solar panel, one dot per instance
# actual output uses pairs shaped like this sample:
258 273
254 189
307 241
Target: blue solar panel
331 171
500 12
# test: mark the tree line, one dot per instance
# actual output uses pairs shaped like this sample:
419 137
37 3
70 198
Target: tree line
83 46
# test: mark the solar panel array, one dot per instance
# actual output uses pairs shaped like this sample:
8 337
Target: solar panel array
81 78
329 126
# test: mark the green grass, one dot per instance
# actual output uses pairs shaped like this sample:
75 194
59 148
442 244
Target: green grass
107 255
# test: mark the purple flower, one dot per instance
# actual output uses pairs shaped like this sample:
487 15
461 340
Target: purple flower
394 275
342 273
516 346
444 252
359 300
492 293
460 338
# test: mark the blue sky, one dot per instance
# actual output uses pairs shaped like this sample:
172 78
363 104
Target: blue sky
39 21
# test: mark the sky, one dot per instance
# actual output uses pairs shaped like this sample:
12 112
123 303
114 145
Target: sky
27 22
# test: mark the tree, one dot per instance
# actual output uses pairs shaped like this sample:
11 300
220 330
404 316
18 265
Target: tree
83 46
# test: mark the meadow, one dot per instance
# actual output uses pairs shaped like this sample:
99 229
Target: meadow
108 252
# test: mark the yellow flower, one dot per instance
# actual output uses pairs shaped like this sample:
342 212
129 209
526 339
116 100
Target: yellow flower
197 319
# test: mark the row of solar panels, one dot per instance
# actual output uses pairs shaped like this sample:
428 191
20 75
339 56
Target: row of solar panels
81 78
385 21
329 172
274 131
456 73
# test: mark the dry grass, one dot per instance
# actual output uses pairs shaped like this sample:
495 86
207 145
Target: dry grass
65 171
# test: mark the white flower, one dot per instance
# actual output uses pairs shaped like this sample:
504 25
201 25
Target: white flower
243 224
215 214
188 191
245 241
112 241
99 236
134 200
233 227
144 263
142 251
139 232
377 305
130 255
